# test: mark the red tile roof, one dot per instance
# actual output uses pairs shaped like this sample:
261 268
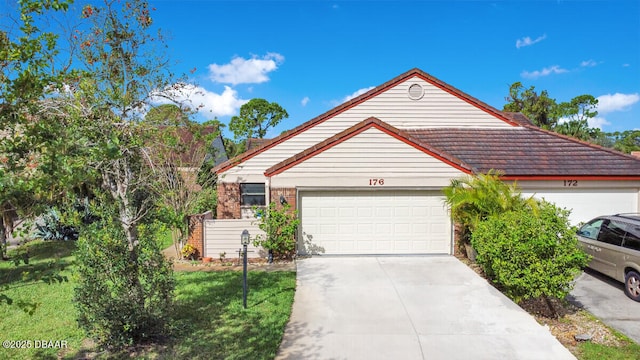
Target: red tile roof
528 152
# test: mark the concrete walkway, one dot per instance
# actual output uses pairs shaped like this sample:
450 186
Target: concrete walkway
407 308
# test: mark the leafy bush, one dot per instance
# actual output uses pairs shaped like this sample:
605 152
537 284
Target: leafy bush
51 227
474 198
189 252
530 256
206 201
280 226
124 296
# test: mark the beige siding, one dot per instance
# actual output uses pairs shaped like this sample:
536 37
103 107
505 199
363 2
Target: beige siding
436 108
224 236
355 162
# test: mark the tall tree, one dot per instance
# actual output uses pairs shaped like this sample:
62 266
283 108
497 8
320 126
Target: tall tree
28 153
256 117
575 115
539 108
123 65
627 141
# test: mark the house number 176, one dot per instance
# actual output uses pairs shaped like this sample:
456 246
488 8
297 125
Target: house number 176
376 182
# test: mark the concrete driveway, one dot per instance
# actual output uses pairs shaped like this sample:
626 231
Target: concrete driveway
407 308
605 298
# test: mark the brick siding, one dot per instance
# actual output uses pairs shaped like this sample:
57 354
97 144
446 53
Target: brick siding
289 194
196 231
228 201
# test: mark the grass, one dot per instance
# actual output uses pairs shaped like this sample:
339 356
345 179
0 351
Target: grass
590 351
54 314
209 320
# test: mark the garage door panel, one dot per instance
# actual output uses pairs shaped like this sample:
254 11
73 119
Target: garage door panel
376 222
585 204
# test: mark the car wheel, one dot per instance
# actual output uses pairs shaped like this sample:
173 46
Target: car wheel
632 285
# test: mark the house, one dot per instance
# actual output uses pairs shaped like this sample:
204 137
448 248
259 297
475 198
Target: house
190 152
367 176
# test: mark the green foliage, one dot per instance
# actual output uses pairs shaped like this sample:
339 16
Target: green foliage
280 225
627 141
539 108
530 255
256 117
473 199
50 227
233 148
207 201
546 113
189 252
124 295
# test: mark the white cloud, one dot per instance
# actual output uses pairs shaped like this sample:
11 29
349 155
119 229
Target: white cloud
597 122
555 69
204 101
588 63
527 41
245 71
305 101
356 94
616 102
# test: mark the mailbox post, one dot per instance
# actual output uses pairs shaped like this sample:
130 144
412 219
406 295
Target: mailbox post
244 238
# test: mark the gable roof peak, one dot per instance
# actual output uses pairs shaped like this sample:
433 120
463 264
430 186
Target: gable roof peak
362 98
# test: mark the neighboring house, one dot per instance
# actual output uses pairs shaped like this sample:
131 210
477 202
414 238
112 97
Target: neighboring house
189 162
253 143
367 176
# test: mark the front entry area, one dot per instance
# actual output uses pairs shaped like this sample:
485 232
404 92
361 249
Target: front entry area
374 222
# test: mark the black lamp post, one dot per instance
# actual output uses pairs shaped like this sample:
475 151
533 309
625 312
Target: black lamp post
244 239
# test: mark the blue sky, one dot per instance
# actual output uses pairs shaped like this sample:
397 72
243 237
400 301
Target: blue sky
310 56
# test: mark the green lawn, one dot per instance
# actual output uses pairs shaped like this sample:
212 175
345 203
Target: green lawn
210 322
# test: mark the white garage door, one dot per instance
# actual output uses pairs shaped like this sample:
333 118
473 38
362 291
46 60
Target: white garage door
374 222
585 204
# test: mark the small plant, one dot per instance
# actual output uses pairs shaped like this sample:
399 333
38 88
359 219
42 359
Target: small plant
189 252
223 255
280 226
51 227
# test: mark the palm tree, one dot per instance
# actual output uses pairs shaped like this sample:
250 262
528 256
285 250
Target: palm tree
473 199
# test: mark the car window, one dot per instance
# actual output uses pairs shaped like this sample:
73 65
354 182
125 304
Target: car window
612 232
632 238
591 229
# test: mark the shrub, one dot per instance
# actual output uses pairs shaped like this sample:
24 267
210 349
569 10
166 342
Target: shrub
280 226
124 295
51 227
474 198
530 256
189 252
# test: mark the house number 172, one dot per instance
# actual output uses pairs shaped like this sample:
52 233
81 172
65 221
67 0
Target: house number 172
376 182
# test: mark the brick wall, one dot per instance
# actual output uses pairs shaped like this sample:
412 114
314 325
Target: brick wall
196 231
228 201
288 193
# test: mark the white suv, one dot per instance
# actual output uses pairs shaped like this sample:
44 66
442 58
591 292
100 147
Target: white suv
614 243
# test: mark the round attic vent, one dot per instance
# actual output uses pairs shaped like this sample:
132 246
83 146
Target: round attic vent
416 92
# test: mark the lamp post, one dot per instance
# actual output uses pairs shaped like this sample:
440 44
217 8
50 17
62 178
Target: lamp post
244 239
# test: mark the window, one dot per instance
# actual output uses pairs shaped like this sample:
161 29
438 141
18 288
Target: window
632 239
252 194
591 229
612 232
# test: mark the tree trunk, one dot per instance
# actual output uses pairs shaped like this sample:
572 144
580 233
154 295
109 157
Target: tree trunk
3 241
6 229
